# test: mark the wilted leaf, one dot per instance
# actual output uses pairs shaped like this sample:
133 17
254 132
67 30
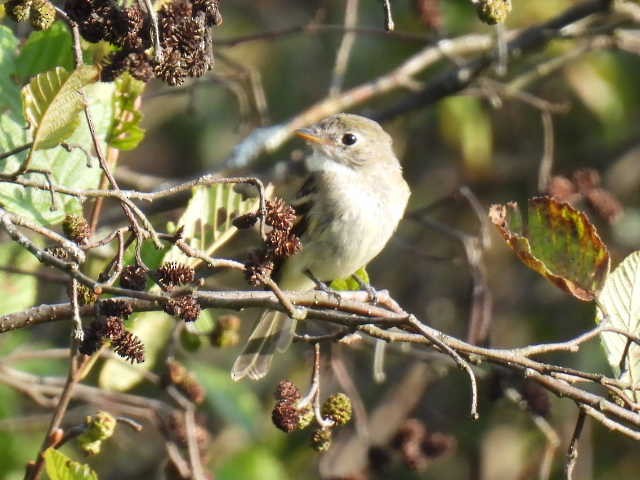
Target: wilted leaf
207 221
52 102
350 284
154 329
60 467
558 241
125 132
620 299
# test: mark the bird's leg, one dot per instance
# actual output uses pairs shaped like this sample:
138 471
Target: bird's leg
323 287
372 292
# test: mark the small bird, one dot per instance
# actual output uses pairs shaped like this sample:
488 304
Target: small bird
349 208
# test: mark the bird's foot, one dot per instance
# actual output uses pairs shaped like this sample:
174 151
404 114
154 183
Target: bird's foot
372 292
323 287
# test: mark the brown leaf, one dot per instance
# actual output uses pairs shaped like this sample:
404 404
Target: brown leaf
558 241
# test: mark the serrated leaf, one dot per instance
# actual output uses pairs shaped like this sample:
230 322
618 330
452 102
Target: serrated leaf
350 284
52 102
125 132
68 169
154 329
558 241
45 50
207 221
60 467
620 299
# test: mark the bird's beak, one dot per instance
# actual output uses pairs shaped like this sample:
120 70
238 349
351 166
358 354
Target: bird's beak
308 135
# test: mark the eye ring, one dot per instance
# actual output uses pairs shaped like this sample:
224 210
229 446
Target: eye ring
349 139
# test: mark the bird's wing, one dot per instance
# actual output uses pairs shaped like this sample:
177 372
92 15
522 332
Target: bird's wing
304 202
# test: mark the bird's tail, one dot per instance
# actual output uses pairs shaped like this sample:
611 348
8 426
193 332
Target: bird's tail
273 331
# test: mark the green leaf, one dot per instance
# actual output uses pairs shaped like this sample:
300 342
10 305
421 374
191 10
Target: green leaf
350 284
60 467
257 463
235 403
206 222
67 169
18 291
190 342
9 91
559 242
52 102
154 329
45 50
125 132
620 299
466 126
151 256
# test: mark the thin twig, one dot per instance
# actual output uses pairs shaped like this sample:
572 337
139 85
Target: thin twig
572 453
389 26
346 45
457 358
155 31
546 162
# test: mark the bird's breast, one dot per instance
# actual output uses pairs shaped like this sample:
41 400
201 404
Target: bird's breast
348 225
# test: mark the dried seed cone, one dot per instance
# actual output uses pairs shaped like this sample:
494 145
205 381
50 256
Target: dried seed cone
93 338
184 307
338 408
210 8
116 308
133 277
113 328
280 215
173 274
129 347
285 416
493 11
286 391
258 268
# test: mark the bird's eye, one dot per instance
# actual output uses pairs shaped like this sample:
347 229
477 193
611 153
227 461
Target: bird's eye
349 139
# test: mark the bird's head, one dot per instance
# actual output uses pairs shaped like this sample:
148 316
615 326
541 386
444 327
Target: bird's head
350 140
